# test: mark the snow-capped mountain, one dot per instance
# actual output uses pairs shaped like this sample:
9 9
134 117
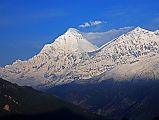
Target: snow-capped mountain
101 38
120 79
129 51
72 57
53 61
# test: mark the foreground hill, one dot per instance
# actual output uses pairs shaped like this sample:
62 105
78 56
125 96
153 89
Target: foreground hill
26 103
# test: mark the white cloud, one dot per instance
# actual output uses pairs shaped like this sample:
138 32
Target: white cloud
91 23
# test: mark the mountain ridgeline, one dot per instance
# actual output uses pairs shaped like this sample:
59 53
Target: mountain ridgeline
118 79
72 57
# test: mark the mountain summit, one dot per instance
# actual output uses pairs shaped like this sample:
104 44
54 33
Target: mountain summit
71 41
73 31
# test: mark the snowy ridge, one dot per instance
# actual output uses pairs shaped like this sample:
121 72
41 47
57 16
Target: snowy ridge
72 57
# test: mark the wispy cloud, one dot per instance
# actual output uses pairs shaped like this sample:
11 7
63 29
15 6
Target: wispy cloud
91 23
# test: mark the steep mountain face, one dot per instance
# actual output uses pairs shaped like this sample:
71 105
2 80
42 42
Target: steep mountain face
52 63
136 50
101 38
25 103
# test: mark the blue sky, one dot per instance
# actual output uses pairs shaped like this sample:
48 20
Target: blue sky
26 25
